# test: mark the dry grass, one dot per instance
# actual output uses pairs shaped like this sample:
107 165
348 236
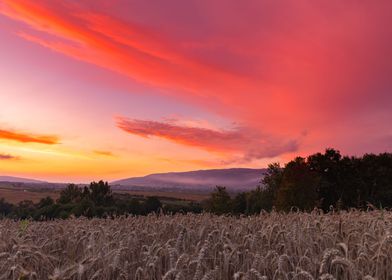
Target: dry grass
353 245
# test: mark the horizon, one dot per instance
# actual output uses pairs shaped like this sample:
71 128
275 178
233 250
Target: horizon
126 89
168 172
119 179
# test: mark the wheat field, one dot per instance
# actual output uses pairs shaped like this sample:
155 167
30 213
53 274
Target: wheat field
345 245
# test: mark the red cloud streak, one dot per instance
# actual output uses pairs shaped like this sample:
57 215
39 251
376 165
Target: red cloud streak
28 138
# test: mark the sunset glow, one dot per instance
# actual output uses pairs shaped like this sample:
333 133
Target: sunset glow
102 89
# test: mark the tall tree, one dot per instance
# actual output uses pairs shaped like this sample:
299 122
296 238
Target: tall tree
71 194
298 187
327 167
271 183
100 193
220 201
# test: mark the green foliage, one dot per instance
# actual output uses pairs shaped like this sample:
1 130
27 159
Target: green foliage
298 187
99 193
240 203
71 194
259 199
45 202
175 208
5 208
220 201
152 204
25 209
133 206
23 225
271 182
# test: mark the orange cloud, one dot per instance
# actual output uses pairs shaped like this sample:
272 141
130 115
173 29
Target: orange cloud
8 157
28 138
103 153
251 144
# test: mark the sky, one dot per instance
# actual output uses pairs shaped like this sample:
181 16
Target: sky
104 89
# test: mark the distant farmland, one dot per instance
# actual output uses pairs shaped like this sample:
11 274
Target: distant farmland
15 195
175 194
22 192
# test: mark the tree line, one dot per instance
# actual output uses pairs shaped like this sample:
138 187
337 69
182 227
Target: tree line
95 200
323 180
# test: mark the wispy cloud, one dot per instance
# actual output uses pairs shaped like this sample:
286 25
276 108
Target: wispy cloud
251 144
103 153
28 138
8 157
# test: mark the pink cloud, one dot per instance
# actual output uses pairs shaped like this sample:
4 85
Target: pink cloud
251 144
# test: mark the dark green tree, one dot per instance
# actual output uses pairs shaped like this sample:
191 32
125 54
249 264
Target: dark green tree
152 204
259 199
5 208
100 193
376 175
240 203
45 202
134 206
327 168
298 187
271 182
220 201
71 194
25 209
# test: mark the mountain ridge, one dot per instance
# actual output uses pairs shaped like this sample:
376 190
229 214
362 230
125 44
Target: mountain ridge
232 178
13 179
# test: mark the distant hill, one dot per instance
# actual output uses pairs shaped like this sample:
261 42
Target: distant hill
234 179
11 179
